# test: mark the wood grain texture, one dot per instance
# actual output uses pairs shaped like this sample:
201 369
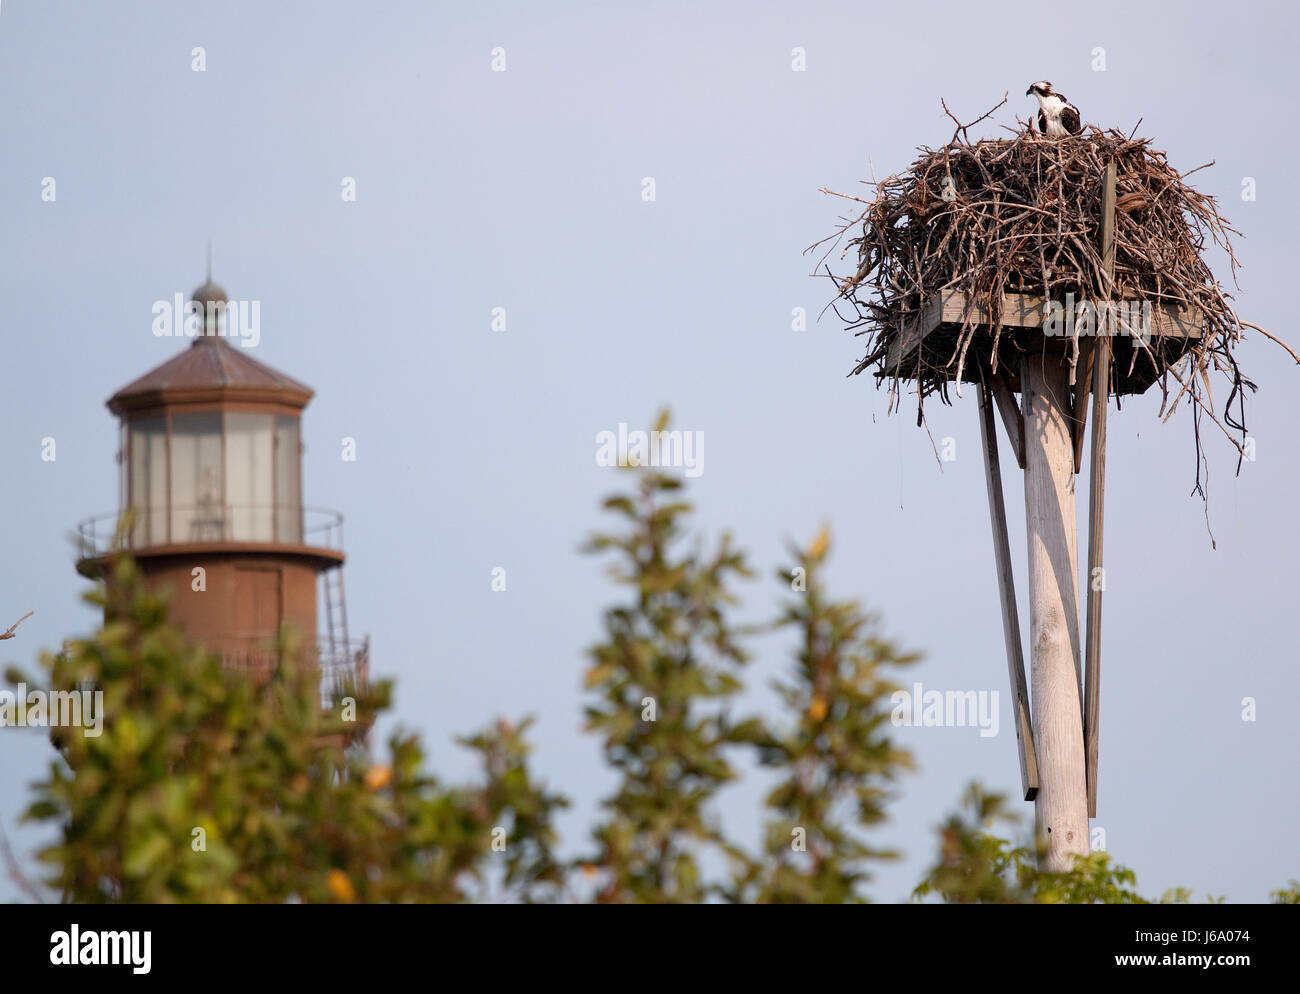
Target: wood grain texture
1061 808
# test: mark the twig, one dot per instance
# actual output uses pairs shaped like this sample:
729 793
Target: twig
961 128
10 633
1247 324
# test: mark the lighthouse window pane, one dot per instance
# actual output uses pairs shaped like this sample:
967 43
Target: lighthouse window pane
198 505
249 476
148 485
288 502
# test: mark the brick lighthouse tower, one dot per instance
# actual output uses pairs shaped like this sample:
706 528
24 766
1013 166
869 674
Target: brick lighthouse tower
211 465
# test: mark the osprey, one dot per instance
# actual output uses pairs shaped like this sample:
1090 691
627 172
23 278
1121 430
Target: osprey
1057 117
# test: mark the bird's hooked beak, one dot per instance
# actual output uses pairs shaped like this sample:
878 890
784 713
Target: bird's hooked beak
1029 91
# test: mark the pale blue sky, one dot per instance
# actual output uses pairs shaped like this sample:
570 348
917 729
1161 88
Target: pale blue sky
476 449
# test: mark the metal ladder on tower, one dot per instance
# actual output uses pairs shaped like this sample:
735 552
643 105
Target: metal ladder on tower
336 613
338 662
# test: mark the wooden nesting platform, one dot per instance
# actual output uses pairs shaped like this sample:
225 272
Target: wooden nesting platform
935 331
1113 357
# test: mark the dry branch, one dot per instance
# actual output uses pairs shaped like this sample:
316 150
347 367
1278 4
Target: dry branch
10 633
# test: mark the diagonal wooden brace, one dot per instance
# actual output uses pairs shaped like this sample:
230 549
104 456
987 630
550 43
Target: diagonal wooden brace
1013 418
1082 387
1007 594
1097 510
1096 575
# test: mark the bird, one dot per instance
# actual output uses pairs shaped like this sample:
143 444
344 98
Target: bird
1057 117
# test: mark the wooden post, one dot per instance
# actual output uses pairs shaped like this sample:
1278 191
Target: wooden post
1061 808
1007 593
1097 506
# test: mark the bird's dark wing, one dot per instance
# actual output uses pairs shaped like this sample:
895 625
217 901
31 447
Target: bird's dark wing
1070 119
1042 121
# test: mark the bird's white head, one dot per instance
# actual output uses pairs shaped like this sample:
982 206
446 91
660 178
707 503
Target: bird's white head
1041 89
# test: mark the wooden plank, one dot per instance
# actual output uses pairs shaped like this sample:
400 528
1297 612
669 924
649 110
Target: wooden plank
1007 595
915 332
1096 513
946 310
1061 808
1019 310
1025 310
1012 419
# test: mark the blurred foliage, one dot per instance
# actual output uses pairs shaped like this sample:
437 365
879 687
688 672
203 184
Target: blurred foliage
1290 894
660 679
975 867
209 786
836 758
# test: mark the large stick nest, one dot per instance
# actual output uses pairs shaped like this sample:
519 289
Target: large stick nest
1024 215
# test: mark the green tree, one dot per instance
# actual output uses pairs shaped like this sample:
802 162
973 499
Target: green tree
669 661
837 758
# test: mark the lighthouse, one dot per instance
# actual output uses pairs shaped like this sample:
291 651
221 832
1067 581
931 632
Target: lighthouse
210 450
